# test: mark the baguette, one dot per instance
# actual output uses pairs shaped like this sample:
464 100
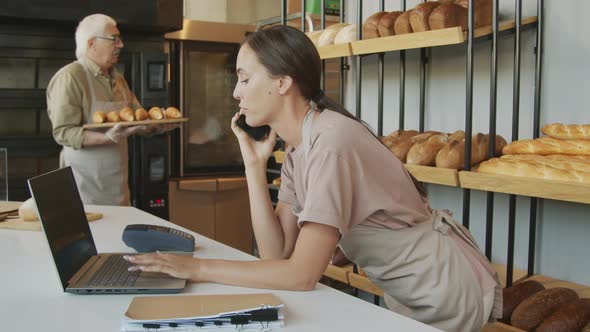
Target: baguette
346 35
452 155
571 317
419 16
386 25
531 169
564 157
370 29
448 16
402 24
559 164
424 153
457 135
328 34
531 311
563 131
513 296
548 145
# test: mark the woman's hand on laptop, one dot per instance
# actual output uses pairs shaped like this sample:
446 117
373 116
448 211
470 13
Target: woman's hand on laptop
182 267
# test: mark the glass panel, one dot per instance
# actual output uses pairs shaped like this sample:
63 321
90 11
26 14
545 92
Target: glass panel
48 68
17 123
3 175
17 73
209 104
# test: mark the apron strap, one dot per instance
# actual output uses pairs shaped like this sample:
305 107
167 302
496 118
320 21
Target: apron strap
443 221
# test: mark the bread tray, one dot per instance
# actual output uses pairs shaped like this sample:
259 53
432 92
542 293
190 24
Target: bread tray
133 123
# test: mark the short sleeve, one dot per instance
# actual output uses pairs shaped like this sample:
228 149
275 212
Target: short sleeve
64 107
287 189
329 198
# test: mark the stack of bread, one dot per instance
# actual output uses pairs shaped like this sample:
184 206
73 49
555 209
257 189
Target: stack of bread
563 155
426 16
127 114
435 148
530 307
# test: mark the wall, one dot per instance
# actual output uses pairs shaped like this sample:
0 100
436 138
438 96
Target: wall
563 228
231 11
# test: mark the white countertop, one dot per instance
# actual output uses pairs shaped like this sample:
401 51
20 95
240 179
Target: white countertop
32 299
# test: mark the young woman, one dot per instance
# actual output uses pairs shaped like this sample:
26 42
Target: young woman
339 187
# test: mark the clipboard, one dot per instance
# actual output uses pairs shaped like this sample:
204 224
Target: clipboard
133 123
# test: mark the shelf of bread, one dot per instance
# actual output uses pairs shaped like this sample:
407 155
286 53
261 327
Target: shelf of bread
436 175
526 186
339 273
335 51
431 38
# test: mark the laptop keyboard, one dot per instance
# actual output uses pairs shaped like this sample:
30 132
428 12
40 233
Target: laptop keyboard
113 273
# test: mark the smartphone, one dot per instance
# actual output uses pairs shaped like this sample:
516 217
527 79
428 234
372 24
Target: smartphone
257 133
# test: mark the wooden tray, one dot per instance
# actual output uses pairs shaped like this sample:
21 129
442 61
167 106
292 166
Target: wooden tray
134 123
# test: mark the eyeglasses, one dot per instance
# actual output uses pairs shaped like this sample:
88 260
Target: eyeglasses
114 39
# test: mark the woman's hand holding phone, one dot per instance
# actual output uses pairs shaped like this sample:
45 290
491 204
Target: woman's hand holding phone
256 143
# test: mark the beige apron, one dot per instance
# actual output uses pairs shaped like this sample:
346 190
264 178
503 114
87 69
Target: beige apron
101 171
423 272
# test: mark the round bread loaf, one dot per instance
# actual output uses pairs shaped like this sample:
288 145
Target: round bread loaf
533 310
346 35
370 26
402 24
172 113
328 34
27 211
99 117
386 25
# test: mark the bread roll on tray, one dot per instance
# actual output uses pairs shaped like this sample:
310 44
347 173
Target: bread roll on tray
127 114
99 117
141 114
563 131
113 116
172 113
548 145
156 113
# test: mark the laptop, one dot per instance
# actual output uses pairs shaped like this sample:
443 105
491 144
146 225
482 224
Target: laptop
81 269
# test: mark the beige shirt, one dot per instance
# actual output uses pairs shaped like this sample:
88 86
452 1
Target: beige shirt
69 98
349 178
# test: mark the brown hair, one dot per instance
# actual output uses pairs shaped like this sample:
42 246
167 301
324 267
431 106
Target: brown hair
286 51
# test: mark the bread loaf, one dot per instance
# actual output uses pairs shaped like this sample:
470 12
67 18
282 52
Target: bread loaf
531 169
452 155
346 35
402 144
482 14
328 34
314 36
419 16
155 113
457 135
172 113
386 25
424 153
448 16
548 145
571 317
127 114
370 26
513 296
99 117
563 131
531 311
402 24
28 210
559 164
113 116
565 157
141 114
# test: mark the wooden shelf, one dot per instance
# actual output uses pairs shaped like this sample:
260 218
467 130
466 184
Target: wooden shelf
437 175
432 38
517 274
339 273
524 186
335 51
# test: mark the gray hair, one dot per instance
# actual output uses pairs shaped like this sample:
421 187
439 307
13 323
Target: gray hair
90 27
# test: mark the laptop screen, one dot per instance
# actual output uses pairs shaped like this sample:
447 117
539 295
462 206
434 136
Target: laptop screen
64 221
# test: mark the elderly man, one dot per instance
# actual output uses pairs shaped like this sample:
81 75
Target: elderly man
98 158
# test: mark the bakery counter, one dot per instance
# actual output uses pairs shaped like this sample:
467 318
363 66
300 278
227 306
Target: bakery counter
431 38
525 186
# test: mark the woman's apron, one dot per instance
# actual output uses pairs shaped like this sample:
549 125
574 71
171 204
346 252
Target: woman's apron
101 171
423 272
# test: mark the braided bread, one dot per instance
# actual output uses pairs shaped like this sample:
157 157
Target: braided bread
563 131
548 145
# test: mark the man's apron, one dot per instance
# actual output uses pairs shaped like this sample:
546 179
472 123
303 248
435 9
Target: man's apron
101 171
423 272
